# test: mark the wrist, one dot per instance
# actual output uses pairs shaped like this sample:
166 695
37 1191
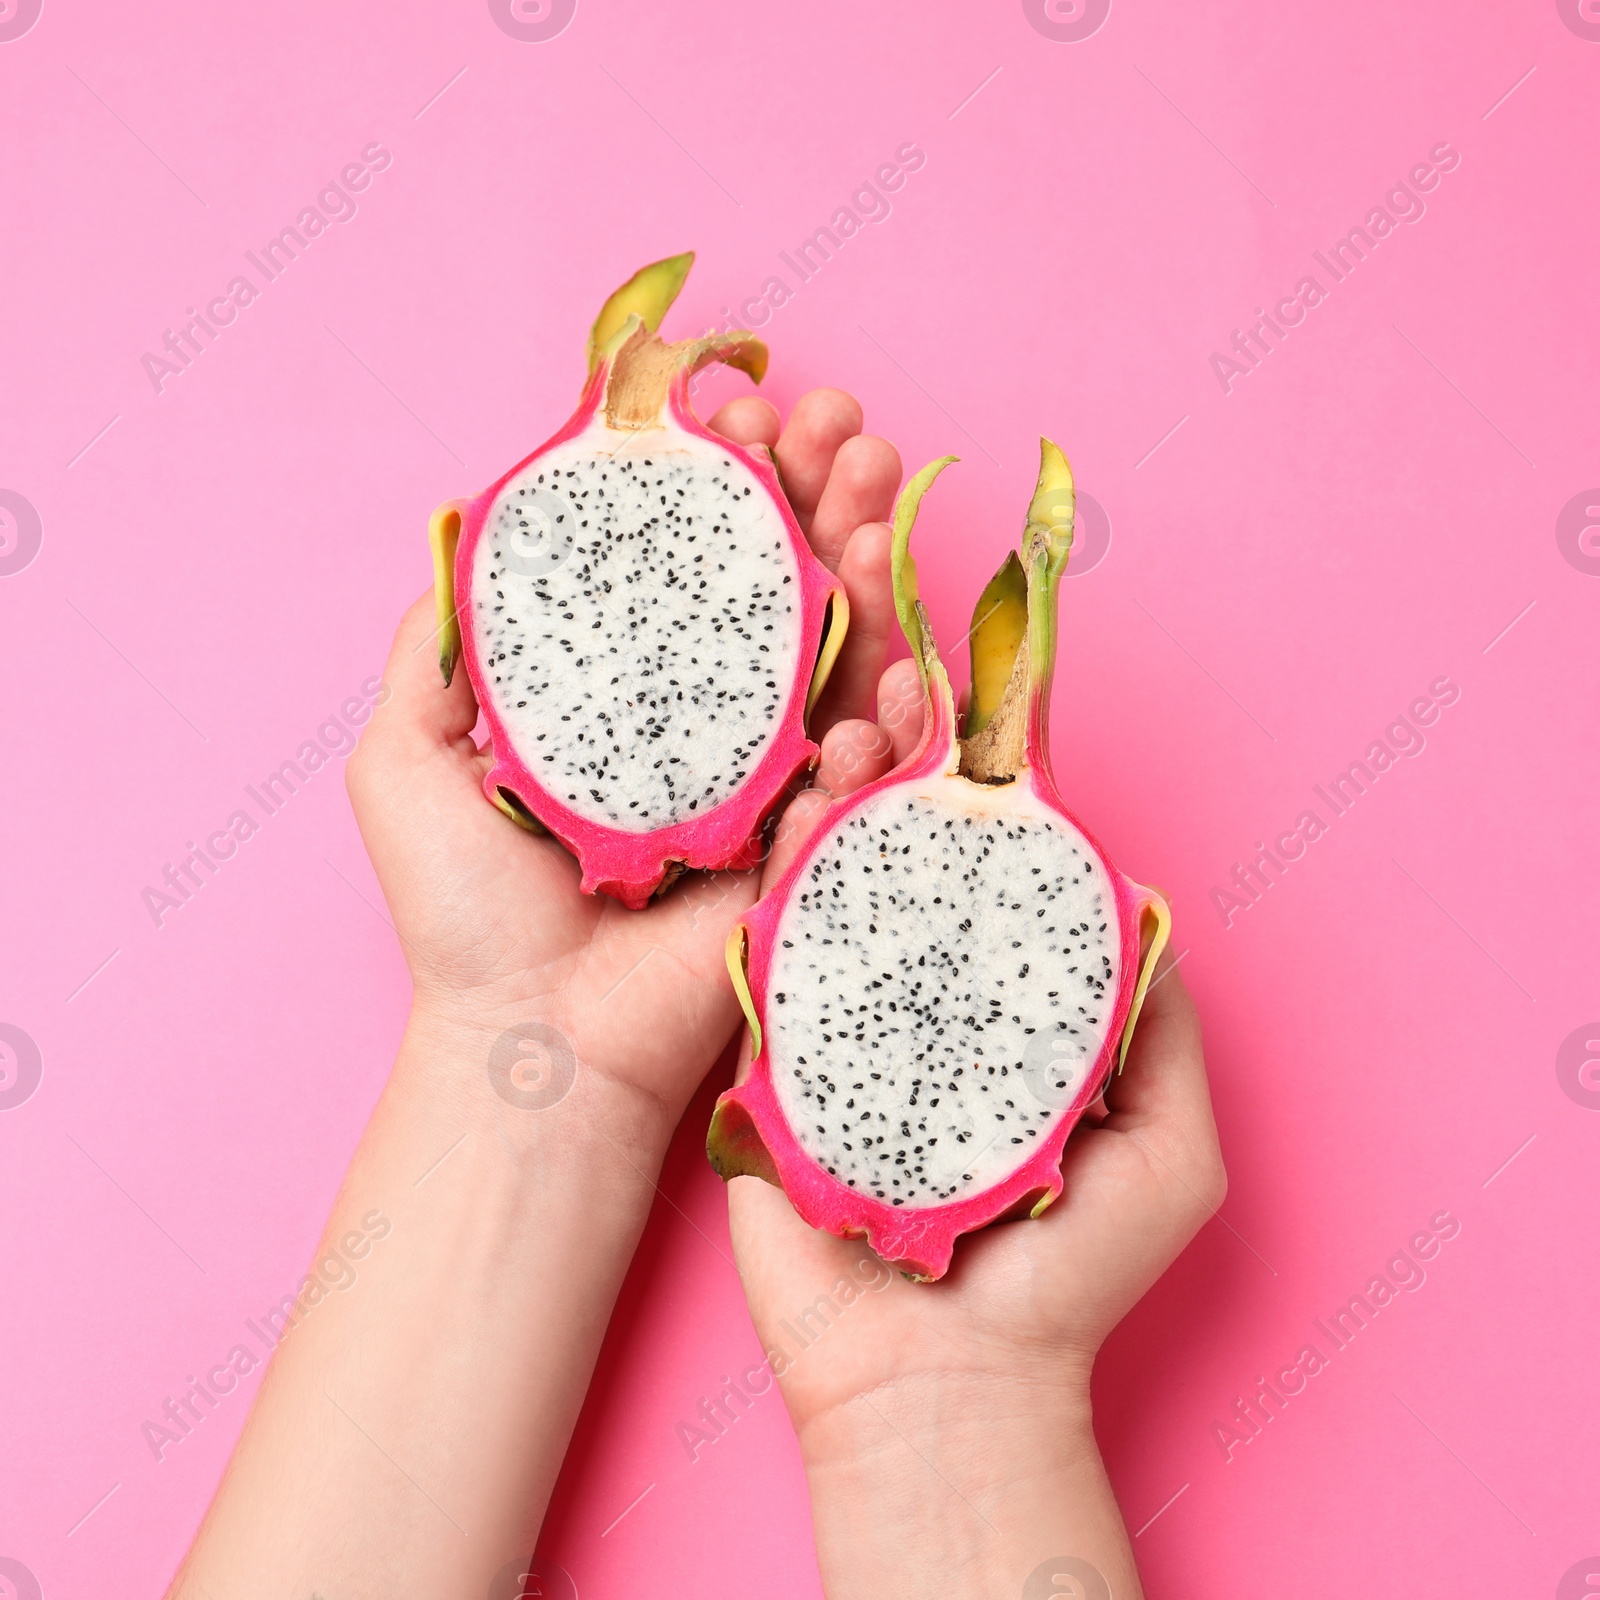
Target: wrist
512 1071
962 1484
454 1312
950 1420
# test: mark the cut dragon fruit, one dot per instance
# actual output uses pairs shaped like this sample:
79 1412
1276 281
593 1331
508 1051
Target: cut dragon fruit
947 974
646 628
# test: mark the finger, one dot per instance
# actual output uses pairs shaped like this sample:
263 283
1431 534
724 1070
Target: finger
864 571
860 488
854 753
900 704
795 826
820 422
419 706
747 420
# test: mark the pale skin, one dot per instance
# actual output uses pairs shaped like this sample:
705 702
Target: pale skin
409 1433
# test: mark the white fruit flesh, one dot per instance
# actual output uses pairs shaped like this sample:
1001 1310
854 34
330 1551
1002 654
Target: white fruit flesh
636 606
941 987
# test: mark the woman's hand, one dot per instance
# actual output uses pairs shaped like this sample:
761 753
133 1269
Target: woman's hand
409 1433
945 1426
494 927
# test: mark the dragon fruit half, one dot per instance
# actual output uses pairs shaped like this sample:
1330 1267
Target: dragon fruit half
947 974
646 626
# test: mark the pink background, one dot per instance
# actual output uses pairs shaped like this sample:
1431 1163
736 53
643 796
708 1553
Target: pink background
1294 564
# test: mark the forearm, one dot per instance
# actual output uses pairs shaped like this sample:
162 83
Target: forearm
952 1487
408 1435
